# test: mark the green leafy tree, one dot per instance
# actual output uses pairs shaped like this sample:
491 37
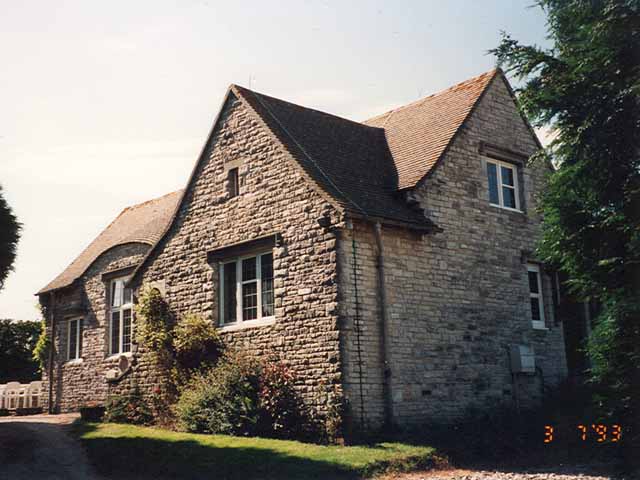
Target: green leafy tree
17 342
9 236
586 88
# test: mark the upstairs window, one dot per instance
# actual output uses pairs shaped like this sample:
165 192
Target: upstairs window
121 314
535 296
233 182
74 339
503 185
246 289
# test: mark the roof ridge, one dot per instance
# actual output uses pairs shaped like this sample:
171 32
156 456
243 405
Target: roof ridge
302 149
488 73
333 115
136 205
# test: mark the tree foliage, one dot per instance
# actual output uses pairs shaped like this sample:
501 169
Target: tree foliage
9 236
586 87
17 342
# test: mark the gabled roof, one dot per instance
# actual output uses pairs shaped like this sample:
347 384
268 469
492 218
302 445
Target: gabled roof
419 133
142 223
349 160
359 166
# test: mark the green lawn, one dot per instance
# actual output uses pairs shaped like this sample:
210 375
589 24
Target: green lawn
125 451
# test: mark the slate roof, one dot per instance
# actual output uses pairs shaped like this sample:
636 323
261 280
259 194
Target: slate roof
419 133
348 159
143 223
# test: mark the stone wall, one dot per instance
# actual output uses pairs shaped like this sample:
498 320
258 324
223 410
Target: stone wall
274 199
458 299
79 382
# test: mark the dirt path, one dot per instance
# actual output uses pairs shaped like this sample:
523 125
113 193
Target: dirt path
40 447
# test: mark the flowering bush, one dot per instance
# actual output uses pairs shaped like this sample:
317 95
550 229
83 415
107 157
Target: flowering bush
242 396
281 410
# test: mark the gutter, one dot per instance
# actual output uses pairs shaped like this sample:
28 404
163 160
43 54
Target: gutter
384 330
51 347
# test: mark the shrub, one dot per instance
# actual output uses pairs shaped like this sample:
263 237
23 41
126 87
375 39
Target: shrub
152 324
223 399
196 343
280 405
243 396
131 408
41 350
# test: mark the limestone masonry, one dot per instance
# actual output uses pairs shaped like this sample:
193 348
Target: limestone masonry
370 257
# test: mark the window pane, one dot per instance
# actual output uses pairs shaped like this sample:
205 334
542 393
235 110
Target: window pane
533 282
492 175
250 301
73 338
267 284
507 175
128 296
126 330
115 332
229 278
535 309
509 197
116 293
248 269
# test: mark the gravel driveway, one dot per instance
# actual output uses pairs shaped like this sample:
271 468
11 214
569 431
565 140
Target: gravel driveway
39 447
560 473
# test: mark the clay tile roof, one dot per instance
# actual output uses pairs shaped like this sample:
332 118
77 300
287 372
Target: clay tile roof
419 133
142 223
349 160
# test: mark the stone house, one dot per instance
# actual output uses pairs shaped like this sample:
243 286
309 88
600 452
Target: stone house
389 263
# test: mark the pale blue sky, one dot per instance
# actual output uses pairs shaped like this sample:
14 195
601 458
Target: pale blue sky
106 104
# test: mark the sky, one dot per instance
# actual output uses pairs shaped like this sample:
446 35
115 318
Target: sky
107 104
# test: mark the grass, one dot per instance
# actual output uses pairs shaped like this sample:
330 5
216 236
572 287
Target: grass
126 451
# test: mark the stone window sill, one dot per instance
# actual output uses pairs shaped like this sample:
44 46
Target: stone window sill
75 361
540 329
508 209
263 322
116 356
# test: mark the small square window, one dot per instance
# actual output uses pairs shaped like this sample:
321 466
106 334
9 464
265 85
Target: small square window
233 183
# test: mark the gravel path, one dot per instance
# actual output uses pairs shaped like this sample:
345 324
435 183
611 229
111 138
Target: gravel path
560 473
39 447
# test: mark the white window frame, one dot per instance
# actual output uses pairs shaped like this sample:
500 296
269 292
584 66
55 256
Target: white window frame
78 328
515 186
120 309
237 264
537 324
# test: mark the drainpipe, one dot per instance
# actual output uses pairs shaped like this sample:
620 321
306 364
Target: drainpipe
51 347
384 331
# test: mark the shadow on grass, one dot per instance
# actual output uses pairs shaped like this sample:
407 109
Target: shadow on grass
142 457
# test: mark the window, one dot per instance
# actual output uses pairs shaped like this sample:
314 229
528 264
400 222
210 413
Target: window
233 183
535 296
246 289
74 339
121 300
503 184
